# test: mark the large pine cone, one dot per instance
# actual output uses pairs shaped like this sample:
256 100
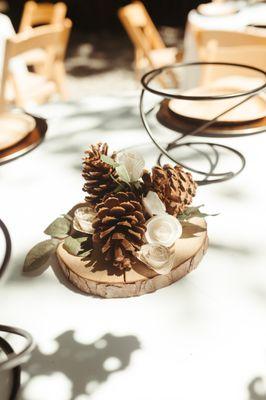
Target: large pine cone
175 187
119 228
98 174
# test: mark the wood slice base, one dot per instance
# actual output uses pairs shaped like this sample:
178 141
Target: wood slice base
99 280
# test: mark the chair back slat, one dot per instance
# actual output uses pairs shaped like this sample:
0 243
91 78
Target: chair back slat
42 14
140 27
54 38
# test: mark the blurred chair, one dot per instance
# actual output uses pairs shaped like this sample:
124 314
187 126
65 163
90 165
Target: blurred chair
226 39
254 56
28 86
150 50
35 14
41 14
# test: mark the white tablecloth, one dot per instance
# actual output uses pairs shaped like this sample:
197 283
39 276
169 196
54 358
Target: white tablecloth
201 338
255 14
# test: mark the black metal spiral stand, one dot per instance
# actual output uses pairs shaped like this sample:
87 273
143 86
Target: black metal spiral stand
208 176
13 360
7 249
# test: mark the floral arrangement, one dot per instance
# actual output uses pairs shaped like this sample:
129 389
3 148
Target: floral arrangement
129 213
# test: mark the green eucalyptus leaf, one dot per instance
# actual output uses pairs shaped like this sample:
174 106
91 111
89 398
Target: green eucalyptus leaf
122 173
72 245
109 160
192 212
39 254
59 228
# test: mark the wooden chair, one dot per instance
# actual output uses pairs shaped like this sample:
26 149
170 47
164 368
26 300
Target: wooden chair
150 50
30 87
226 39
41 14
228 46
36 14
254 56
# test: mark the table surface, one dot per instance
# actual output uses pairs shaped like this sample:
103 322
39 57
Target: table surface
202 337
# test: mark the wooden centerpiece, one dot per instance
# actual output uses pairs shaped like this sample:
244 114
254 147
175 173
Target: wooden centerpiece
135 233
102 280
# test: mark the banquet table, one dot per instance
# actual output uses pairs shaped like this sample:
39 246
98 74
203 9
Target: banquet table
200 338
255 14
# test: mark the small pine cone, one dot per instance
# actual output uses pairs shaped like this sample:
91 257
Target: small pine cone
119 228
97 174
175 187
147 182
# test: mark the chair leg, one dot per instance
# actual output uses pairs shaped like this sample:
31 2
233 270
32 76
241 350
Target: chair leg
59 75
137 64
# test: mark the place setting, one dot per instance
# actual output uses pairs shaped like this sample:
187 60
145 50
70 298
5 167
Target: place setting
19 134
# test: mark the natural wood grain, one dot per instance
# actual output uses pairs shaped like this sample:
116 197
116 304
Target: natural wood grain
101 281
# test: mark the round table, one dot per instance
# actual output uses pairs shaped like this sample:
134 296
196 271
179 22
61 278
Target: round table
236 22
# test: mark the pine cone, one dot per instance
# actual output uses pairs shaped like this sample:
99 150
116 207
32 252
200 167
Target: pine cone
97 174
119 228
175 187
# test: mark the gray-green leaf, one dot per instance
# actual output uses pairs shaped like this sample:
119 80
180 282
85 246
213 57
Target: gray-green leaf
109 160
123 174
72 245
59 228
192 212
39 254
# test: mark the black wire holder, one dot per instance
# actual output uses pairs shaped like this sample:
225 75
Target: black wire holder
13 360
214 147
7 249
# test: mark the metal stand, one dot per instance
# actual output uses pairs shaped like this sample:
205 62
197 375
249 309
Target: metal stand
14 360
8 248
209 176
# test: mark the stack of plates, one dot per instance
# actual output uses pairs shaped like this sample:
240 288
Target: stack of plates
218 9
19 134
14 127
186 115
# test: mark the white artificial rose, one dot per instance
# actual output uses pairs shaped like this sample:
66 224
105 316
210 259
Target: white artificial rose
152 204
163 229
157 257
133 163
83 218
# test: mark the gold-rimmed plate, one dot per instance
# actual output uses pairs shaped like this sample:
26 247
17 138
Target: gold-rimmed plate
217 9
14 127
24 146
205 110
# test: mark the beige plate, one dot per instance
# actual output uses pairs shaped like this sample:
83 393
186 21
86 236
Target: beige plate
206 110
217 10
14 127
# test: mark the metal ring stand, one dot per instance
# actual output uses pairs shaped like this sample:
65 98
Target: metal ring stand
8 248
13 360
213 147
